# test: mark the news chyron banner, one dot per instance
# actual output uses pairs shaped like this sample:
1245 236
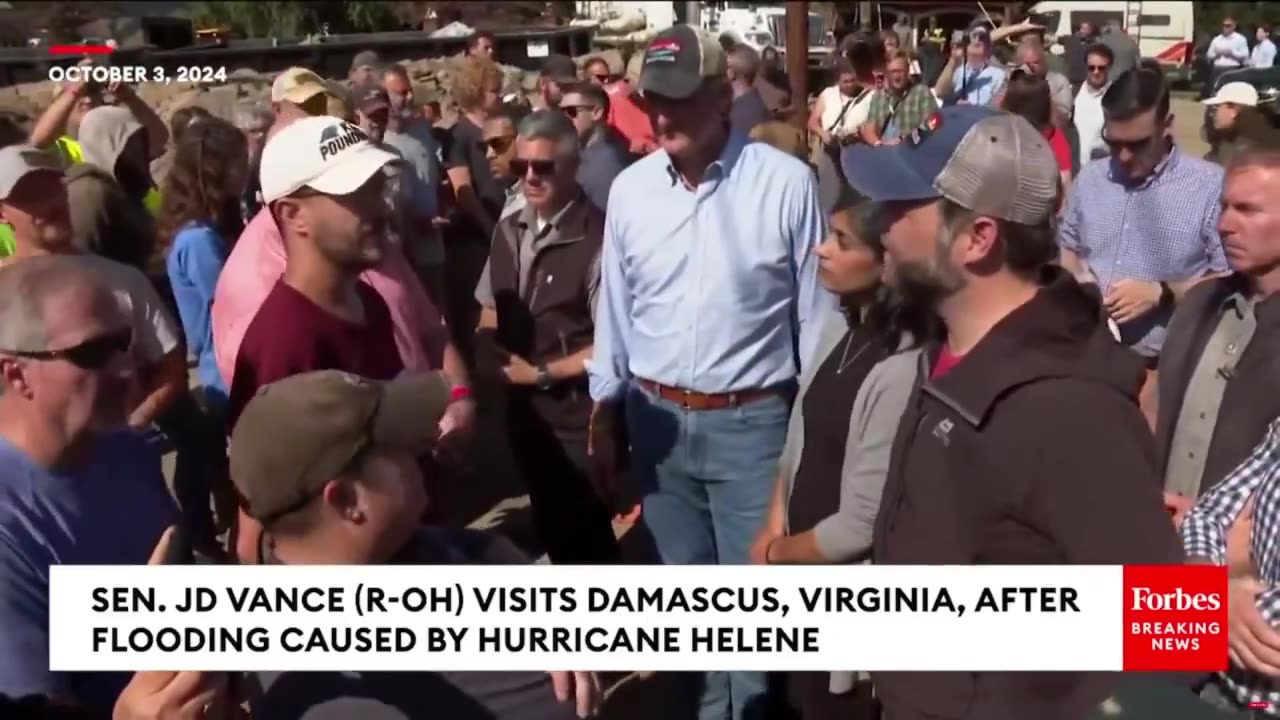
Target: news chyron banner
373 618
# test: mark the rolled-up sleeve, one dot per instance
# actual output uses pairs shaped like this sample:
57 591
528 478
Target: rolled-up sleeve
846 535
1069 224
812 301
1204 531
610 365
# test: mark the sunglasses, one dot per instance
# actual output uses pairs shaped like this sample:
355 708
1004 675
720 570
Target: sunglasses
92 354
541 168
573 110
1099 68
1137 147
601 78
499 144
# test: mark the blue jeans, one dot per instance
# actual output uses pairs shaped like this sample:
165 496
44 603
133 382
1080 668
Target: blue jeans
706 479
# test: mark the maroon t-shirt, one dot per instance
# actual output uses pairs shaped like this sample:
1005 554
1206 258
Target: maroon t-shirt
292 335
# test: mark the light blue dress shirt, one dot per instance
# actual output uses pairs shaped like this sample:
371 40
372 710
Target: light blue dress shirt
712 290
1264 54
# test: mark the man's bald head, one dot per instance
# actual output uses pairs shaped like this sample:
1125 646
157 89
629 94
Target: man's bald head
31 295
1032 55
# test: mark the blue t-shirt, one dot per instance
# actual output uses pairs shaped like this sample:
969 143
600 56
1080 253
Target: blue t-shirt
110 510
194 264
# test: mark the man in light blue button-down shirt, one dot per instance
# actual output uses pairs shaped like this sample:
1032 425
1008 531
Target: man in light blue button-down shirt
708 304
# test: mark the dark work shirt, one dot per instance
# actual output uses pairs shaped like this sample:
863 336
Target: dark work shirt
827 412
467 149
291 335
414 695
748 111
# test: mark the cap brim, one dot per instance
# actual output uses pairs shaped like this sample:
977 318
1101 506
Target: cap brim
669 82
408 417
353 171
885 174
8 185
302 93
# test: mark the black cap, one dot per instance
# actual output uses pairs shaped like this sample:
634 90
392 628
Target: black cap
370 97
560 68
678 60
366 58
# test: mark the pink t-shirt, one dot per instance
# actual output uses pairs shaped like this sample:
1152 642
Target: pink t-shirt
257 262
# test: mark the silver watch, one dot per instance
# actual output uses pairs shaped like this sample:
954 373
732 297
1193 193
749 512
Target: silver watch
544 380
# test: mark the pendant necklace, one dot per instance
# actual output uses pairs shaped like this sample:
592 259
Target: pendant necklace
845 360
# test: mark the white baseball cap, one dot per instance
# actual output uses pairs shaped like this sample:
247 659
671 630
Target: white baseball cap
326 154
1236 93
19 161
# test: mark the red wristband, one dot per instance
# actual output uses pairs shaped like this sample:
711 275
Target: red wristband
460 392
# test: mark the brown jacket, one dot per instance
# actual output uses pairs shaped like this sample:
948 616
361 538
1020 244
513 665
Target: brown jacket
1031 451
552 318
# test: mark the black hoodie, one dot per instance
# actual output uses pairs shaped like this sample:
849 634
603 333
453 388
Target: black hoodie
1031 451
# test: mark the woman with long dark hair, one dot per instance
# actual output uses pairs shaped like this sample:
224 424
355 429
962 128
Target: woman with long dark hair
836 458
1028 96
199 221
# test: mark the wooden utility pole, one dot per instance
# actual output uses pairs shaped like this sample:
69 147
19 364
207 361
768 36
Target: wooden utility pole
798 61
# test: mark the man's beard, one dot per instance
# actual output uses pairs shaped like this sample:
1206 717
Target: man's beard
926 283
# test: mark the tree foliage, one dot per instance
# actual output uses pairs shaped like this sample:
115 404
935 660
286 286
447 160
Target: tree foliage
62 20
294 19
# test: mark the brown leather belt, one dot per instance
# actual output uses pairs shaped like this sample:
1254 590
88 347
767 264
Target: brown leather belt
691 400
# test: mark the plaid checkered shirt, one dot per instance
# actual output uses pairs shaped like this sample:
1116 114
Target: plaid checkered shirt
1204 533
908 113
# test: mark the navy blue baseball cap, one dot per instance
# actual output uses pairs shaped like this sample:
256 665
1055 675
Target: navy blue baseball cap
987 161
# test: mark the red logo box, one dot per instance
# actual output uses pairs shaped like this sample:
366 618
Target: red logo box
1175 618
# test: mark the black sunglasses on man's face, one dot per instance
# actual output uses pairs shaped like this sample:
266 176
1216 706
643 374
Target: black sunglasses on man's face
92 354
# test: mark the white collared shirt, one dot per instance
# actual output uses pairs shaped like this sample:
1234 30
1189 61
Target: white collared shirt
1087 117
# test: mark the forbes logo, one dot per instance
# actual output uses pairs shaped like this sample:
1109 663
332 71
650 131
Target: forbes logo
1175 618
1145 599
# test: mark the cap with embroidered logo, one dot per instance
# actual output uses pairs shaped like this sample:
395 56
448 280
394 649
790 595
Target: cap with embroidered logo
678 60
987 161
326 154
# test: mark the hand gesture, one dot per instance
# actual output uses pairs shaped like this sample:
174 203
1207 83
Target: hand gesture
520 371
1129 300
580 688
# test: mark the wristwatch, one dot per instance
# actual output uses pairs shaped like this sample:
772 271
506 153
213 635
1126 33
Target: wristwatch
1166 295
544 380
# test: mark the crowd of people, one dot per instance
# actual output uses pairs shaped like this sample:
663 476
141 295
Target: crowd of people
995 316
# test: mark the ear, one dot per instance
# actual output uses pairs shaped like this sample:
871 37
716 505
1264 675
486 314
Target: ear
980 238
14 378
343 500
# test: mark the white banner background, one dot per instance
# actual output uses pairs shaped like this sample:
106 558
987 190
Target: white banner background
1015 640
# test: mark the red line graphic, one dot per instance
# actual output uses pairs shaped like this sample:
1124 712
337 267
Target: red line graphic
80 50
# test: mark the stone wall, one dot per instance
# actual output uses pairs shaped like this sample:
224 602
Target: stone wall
431 79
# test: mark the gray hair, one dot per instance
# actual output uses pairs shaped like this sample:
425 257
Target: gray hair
745 60
250 114
26 286
551 125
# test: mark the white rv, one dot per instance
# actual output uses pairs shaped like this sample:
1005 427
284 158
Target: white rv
1165 31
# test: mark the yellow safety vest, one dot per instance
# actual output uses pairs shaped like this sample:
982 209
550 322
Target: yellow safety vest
71 154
